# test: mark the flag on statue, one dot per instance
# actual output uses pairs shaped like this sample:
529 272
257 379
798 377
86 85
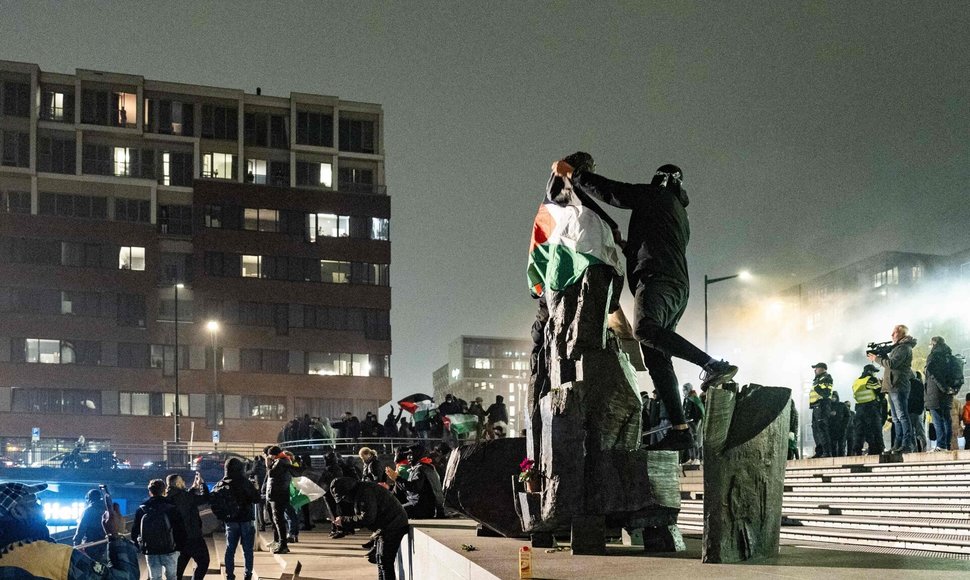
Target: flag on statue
566 240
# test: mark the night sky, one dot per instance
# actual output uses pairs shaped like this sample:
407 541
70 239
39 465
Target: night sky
811 134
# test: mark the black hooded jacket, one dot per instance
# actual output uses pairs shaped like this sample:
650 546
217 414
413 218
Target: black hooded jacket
656 245
374 507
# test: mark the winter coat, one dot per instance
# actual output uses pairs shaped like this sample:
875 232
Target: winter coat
174 518
497 412
279 478
40 560
187 502
374 507
373 471
659 230
243 490
935 397
423 487
89 528
898 365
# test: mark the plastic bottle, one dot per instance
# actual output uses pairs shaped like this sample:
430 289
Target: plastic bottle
525 562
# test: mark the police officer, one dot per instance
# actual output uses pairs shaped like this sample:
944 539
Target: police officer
868 410
820 402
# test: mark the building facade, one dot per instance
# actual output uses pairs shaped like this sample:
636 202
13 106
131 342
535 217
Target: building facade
155 234
485 367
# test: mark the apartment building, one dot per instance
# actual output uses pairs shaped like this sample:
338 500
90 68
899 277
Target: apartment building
159 237
480 366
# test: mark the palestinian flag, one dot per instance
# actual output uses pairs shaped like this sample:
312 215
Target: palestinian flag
461 424
565 241
420 405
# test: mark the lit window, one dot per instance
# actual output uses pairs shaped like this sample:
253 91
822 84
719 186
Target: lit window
250 266
380 229
217 165
326 174
256 171
122 161
327 225
131 258
483 363
166 169
334 272
55 106
43 351
127 109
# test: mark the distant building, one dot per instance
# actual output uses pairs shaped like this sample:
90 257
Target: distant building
272 214
485 367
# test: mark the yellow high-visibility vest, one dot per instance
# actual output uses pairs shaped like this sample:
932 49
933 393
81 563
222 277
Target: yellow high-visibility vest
814 397
863 391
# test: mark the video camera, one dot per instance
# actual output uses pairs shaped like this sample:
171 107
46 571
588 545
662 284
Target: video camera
880 349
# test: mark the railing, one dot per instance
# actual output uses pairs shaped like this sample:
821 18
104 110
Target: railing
351 187
349 446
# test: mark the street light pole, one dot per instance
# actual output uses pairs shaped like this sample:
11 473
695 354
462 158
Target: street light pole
213 328
744 275
178 408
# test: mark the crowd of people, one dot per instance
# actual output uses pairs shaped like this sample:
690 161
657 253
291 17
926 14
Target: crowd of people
273 490
899 401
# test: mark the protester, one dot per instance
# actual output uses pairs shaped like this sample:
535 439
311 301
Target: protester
28 553
279 476
917 412
965 419
188 502
372 465
497 412
159 532
390 424
239 527
937 399
425 499
375 508
89 528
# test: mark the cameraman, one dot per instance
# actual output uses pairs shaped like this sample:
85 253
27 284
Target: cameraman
896 382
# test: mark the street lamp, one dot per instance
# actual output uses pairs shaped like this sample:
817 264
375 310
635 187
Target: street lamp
743 275
213 327
178 407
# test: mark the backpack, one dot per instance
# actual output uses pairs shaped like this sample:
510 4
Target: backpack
223 502
156 535
954 374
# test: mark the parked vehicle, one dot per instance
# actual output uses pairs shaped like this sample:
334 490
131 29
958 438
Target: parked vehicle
212 463
102 459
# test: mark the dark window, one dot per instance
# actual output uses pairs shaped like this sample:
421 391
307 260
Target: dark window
356 180
163 357
68 205
133 355
310 173
314 129
96 159
251 360
378 325
14 202
16 148
175 220
56 155
213 216
175 268
279 173
16 99
220 122
279 134
79 303
223 264
94 107
170 117
357 135
132 210
256 131
131 310
176 168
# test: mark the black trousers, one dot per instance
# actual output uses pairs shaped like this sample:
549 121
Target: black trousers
194 549
277 507
388 544
869 427
820 429
658 307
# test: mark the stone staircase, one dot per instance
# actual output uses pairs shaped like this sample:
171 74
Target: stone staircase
913 504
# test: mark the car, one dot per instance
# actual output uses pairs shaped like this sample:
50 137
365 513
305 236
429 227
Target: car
9 462
212 463
103 459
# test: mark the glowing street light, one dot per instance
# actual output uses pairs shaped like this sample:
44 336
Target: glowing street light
744 275
213 327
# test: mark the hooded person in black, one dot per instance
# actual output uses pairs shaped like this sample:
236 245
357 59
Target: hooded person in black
239 528
376 509
188 502
656 264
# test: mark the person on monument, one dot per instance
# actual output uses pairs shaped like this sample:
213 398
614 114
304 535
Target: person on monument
27 551
820 402
656 264
897 383
865 391
497 412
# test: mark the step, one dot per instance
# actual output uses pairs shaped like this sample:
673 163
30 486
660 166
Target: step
882 487
910 541
888 524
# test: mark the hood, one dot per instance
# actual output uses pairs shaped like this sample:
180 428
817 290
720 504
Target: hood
234 468
681 195
342 487
911 341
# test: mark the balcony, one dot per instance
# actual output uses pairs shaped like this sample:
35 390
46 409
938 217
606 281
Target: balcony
368 188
